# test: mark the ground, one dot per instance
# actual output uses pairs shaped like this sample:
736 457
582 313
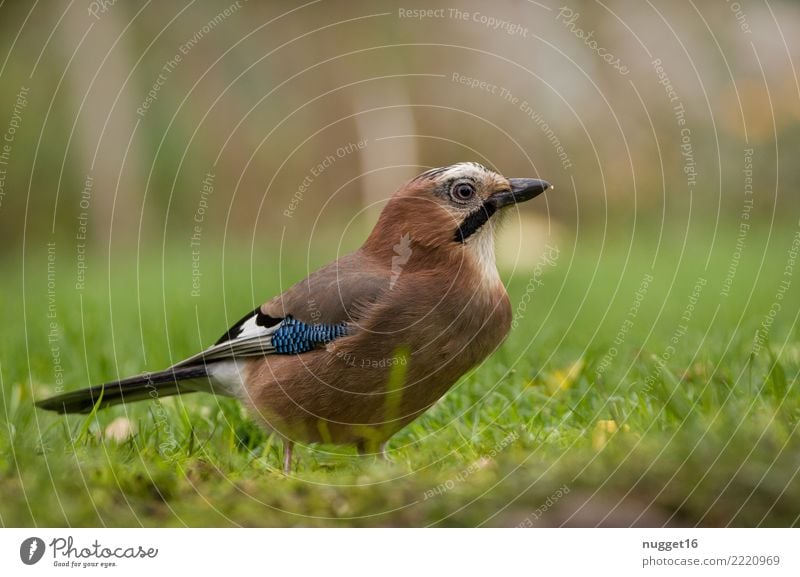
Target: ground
649 383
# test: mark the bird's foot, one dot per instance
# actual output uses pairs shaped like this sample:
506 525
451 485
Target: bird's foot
287 456
365 449
384 452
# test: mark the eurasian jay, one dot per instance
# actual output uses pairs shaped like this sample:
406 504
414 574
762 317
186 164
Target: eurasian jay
366 344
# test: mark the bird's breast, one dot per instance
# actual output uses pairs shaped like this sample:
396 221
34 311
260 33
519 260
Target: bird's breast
402 356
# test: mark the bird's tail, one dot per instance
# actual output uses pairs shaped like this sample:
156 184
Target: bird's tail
149 385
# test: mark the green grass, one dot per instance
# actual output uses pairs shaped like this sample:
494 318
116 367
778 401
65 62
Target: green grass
546 432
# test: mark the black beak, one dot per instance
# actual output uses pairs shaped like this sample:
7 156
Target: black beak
522 189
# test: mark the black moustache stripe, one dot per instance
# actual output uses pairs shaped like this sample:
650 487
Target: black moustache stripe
474 221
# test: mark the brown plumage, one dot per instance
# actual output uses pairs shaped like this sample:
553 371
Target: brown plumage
421 304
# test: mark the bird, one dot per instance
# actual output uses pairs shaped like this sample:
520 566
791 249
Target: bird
366 344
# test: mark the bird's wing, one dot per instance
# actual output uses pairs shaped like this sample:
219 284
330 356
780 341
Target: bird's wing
258 334
308 315
338 292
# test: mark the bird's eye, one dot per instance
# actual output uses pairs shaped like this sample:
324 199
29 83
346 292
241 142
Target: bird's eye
462 191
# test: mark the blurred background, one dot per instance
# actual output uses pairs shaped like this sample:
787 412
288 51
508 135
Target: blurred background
127 123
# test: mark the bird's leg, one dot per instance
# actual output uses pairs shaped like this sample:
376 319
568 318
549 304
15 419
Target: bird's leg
365 448
384 454
287 456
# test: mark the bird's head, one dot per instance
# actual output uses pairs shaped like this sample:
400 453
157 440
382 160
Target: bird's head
451 209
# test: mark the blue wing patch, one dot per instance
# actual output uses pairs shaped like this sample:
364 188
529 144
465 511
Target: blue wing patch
293 336
251 337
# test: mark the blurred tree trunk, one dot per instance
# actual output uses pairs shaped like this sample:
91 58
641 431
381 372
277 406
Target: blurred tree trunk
103 138
378 185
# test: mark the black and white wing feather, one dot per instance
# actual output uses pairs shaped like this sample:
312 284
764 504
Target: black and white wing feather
258 334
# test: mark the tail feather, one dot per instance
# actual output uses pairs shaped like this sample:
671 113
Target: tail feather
150 385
